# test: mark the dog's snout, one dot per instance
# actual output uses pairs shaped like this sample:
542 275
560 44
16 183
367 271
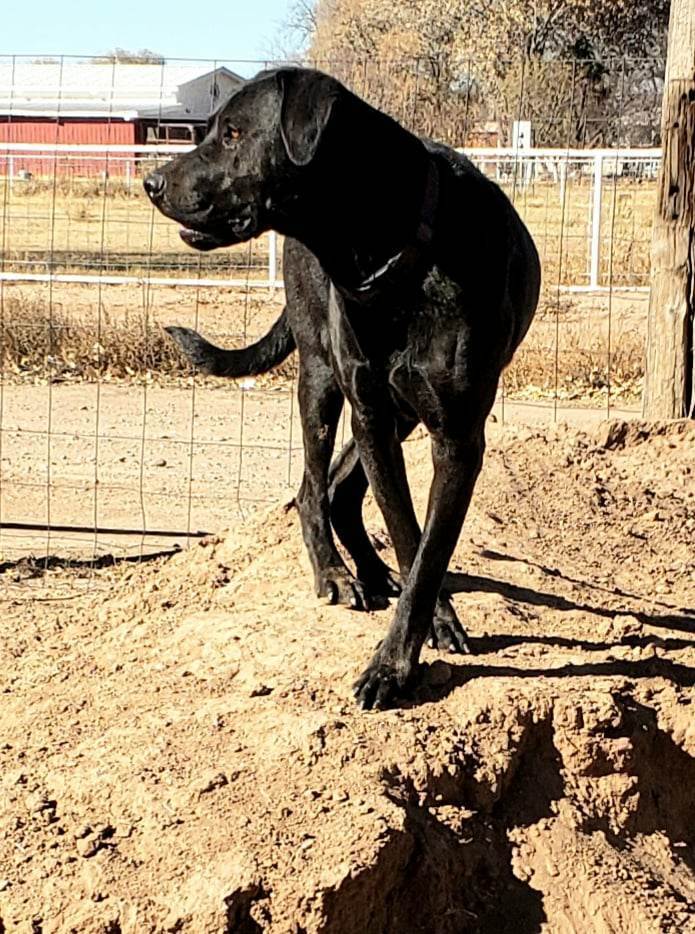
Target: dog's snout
155 184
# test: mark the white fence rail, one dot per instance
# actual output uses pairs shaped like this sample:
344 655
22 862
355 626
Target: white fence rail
520 172
526 167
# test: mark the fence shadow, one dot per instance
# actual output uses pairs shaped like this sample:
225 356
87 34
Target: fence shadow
28 567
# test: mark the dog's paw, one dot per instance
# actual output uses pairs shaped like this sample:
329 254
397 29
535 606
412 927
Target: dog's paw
382 685
338 586
384 583
446 632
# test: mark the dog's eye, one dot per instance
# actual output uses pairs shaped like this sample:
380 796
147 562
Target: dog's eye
230 135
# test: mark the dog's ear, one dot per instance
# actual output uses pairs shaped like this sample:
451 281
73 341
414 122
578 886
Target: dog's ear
307 101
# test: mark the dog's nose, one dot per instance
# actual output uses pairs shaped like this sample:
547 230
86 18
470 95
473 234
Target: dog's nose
155 184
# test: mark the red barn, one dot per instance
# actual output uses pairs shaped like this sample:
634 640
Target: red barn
100 104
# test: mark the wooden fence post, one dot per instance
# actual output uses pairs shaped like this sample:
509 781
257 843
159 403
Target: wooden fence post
669 387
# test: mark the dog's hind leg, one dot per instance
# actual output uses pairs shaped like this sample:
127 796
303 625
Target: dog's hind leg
346 490
321 402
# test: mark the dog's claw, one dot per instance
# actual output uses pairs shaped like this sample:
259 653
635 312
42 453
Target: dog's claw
446 632
338 586
382 685
330 597
376 689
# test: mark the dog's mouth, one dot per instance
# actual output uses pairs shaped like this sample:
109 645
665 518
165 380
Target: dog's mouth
236 231
201 241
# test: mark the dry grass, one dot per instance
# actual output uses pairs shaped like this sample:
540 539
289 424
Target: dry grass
86 332
561 229
106 221
577 349
584 370
40 341
101 222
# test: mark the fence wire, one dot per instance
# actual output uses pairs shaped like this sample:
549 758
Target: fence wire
109 443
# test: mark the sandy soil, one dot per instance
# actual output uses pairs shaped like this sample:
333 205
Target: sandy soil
179 748
180 459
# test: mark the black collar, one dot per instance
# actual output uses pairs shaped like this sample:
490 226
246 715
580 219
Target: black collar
397 271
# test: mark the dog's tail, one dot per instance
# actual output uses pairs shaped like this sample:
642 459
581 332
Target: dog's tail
268 352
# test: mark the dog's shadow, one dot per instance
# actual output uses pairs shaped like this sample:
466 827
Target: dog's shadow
680 619
673 618
679 675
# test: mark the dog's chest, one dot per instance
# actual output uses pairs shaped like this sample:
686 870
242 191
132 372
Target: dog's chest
411 317
435 316
442 297
417 326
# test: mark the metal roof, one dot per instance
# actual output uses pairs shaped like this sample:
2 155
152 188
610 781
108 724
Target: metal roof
90 90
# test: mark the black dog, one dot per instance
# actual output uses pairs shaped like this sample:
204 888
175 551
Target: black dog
410 281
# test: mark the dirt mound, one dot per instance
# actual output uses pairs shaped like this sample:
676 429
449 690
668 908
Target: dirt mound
179 749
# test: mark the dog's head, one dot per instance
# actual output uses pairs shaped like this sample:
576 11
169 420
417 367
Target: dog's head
238 181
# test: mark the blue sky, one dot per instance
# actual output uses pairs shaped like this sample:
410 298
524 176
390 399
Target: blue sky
229 30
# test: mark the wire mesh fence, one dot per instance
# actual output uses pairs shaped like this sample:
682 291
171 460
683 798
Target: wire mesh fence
107 440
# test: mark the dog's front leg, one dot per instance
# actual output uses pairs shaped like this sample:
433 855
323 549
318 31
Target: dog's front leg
391 672
375 431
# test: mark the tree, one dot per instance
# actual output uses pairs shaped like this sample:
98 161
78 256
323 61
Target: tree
124 57
295 33
575 67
